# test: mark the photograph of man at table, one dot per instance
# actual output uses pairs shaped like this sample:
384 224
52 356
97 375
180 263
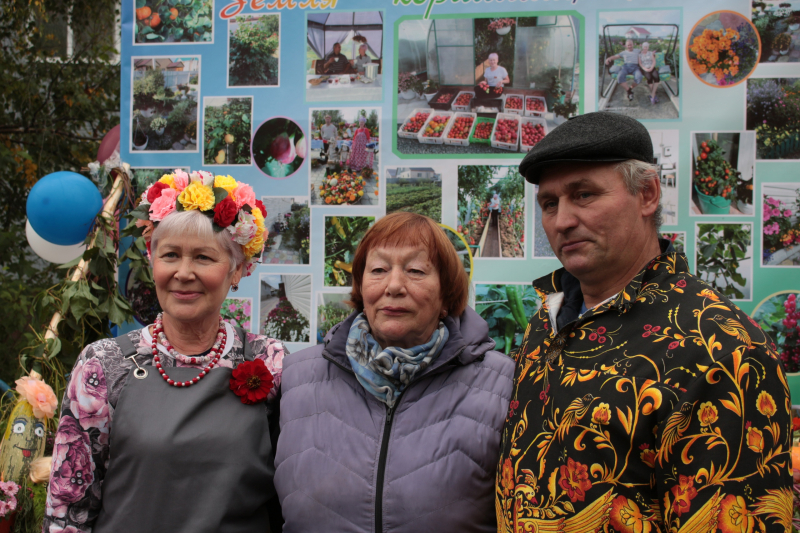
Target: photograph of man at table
336 62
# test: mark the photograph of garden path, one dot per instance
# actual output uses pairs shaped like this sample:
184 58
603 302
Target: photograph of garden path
652 77
254 51
491 210
415 190
724 258
773 111
164 104
331 309
288 222
778 25
285 307
342 235
541 246
484 85
506 308
345 156
780 241
173 21
227 130
723 173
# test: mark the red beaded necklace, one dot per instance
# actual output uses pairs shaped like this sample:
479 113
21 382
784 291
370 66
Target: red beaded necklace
215 354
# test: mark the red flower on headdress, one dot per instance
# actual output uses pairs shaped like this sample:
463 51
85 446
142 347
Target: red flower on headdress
251 381
260 205
225 212
155 191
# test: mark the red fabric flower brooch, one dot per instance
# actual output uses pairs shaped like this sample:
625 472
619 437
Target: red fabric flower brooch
251 381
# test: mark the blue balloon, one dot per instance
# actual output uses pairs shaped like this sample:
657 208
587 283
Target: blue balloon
62 207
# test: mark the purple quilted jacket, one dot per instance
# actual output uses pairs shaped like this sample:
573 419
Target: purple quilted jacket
346 463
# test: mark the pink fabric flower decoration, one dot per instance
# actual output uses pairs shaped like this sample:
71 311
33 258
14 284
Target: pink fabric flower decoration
73 469
163 205
244 194
39 394
88 395
180 180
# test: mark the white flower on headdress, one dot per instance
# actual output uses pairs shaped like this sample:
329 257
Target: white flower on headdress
250 266
208 177
245 229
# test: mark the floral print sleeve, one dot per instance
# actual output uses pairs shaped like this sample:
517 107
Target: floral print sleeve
81 449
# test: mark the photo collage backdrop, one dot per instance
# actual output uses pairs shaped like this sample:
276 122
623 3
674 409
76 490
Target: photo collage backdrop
338 112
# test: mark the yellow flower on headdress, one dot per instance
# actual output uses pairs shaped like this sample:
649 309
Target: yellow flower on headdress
197 196
169 179
258 217
254 246
227 183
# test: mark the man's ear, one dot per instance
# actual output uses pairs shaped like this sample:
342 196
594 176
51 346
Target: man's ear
651 196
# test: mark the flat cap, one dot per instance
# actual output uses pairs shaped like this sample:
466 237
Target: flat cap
601 136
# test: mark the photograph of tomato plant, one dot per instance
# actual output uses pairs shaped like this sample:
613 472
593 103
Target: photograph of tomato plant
723 166
415 190
174 21
678 240
780 242
285 307
237 312
491 210
342 235
724 258
773 112
779 316
227 123
279 147
506 308
254 50
723 49
331 309
288 222
165 113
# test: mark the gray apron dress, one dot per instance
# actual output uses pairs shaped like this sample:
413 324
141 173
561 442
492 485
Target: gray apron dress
191 460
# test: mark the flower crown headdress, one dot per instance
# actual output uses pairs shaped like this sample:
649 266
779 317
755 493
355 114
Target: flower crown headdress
230 204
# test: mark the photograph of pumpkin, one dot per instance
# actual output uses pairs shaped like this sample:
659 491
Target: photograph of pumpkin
279 147
254 50
331 309
165 111
227 124
491 210
723 166
342 235
173 21
724 258
723 49
345 157
506 308
285 307
288 221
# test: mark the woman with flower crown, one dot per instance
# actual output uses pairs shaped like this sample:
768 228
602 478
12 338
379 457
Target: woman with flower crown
172 427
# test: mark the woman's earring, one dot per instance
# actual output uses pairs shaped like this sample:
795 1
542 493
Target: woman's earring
235 287
443 314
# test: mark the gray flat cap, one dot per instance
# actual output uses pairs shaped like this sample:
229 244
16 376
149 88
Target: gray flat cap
601 136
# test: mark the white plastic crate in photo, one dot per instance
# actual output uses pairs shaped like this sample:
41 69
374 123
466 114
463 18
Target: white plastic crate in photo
519 97
504 145
535 113
409 134
458 142
524 148
455 107
434 140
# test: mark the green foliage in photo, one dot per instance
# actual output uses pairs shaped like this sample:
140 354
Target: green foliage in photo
721 248
226 132
419 196
254 52
342 235
507 310
174 21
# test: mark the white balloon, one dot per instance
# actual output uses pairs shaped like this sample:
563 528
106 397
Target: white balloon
55 253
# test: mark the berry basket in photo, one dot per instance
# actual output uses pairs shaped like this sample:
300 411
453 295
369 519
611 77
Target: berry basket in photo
467 121
447 116
466 98
535 106
516 100
478 122
533 122
413 134
500 124
443 99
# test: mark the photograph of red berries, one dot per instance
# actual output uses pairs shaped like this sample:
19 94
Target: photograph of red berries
171 21
779 316
491 210
723 176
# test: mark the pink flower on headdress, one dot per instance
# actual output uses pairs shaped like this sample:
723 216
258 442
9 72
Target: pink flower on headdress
245 229
244 195
180 179
163 205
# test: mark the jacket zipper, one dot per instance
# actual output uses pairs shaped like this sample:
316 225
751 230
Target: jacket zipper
387 429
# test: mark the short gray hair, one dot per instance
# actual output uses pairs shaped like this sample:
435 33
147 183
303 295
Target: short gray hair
197 224
497 57
636 174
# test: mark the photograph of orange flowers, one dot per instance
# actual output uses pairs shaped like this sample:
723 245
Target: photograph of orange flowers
723 49
171 21
638 64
